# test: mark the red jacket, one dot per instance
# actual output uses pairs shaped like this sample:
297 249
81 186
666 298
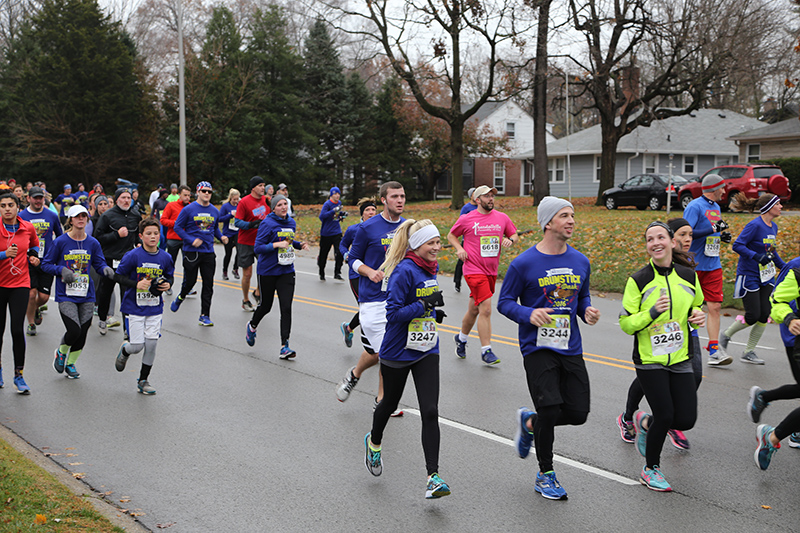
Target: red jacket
169 216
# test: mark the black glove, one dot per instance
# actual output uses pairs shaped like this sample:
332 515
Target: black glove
253 223
154 290
720 226
67 275
726 237
763 259
433 300
440 316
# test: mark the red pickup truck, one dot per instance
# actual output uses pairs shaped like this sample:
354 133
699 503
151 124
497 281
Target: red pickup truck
752 180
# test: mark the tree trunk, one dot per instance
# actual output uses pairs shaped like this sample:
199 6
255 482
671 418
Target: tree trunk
608 159
457 164
541 185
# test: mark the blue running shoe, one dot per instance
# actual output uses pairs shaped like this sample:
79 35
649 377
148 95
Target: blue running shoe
548 486
523 439
60 361
489 357
765 449
145 388
347 334
72 372
372 458
794 438
641 433
461 348
286 352
250 335
22 387
176 303
756 405
626 430
653 479
205 320
436 487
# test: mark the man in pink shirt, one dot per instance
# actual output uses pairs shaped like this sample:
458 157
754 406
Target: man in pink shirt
485 232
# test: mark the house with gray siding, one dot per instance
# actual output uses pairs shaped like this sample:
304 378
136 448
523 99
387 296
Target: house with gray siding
697 142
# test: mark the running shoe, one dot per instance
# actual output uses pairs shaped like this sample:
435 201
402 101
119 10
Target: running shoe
524 438
22 387
678 439
717 356
250 335
205 320
102 327
395 413
145 387
548 486
653 479
286 352
723 341
458 288
37 316
43 308
224 276
31 330
751 357
235 273
765 449
338 277
641 433
347 334
247 305
794 438
344 388
257 298
176 304
60 361
627 431
113 322
436 487
756 405
489 357
372 458
122 359
72 372
461 348
192 293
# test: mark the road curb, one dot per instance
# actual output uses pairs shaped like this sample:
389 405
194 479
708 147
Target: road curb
80 489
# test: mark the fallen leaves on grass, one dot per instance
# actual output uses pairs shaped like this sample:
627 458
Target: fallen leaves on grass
40 520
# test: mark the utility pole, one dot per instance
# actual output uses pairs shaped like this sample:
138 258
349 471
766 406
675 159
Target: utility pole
181 99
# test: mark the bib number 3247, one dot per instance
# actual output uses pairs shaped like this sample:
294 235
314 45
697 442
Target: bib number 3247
422 334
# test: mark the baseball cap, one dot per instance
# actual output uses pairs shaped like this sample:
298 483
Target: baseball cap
483 189
76 210
35 192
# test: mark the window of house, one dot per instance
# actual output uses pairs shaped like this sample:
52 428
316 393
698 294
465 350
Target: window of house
500 177
511 130
555 170
597 167
689 164
753 152
650 162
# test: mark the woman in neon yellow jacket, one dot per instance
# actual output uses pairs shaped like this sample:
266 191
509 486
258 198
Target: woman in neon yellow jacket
661 302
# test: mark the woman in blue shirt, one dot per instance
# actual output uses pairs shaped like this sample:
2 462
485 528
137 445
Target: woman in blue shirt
227 215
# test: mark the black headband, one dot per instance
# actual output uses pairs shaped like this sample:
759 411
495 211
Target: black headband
365 205
659 224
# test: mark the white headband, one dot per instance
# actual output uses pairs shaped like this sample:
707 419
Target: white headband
423 235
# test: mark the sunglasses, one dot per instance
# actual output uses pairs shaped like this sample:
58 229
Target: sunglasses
205 190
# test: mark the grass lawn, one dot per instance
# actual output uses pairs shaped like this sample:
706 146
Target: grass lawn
612 240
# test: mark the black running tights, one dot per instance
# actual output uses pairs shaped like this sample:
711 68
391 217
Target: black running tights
673 399
426 382
284 286
355 321
16 300
757 305
789 391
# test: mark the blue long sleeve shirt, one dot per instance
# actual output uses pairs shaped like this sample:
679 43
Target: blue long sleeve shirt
198 222
756 238
561 282
226 218
344 247
76 256
275 229
370 243
139 264
330 224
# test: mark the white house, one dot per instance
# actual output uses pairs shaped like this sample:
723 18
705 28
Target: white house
698 142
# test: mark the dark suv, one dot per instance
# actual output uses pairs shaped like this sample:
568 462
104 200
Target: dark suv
752 180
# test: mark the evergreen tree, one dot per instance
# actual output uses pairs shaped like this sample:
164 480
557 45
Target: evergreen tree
393 155
359 146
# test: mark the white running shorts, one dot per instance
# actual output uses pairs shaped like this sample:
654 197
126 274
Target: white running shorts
372 316
143 327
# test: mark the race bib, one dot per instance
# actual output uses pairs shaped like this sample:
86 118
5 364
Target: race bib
385 284
41 247
286 256
666 338
80 287
490 246
422 334
556 334
712 247
145 298
114 263
232 222
766 272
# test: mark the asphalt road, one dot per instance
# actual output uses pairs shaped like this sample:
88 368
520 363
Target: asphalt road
238 440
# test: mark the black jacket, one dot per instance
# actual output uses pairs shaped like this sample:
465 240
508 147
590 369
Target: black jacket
105 231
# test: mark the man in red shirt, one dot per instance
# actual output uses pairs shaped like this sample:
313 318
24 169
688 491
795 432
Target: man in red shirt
252 209
168 218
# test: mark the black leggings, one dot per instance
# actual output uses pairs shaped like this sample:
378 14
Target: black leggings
206 264
325 244
426 382
459 273
284 285
16 300
355 321
229 248
757 305
105 288
673 400
77 319
792 390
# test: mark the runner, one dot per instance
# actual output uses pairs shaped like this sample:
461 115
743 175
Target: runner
708 230
411 343
545 290
368 210
683 240
174 193
168 218
485 231
330 234
661 302
47 227
468 207
19 249
227 216
80 196
275 246
252 209
197 225
63 202
755 271
367 254
68 259
145 272
284 190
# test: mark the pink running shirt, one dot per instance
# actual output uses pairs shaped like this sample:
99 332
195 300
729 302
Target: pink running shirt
483 238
